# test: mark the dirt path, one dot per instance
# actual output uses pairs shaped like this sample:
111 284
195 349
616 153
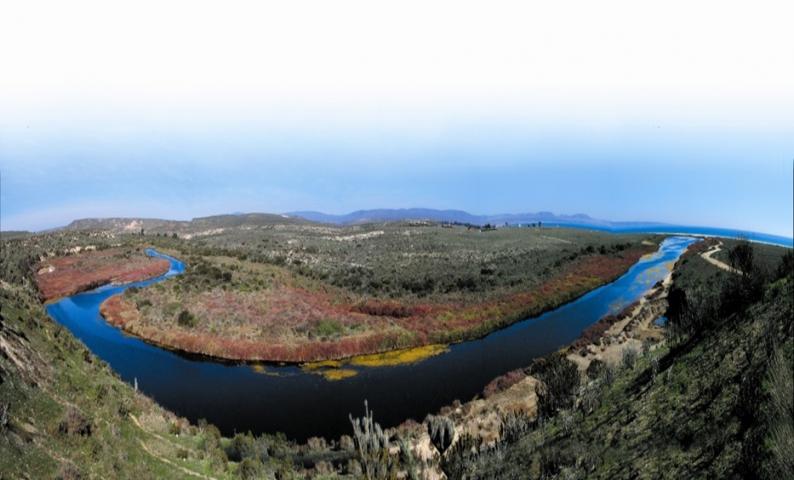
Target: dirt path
182 469
707 256
161 458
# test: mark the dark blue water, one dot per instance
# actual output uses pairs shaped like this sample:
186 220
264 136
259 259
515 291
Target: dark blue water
286 399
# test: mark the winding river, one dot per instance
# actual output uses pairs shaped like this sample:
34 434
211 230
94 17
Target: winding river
240 397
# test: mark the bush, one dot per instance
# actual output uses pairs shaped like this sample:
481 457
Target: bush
559 380
328 328
786 266
629 358
250 468
590 398
186 319
74 423
69 471
462 458
514 425
595 369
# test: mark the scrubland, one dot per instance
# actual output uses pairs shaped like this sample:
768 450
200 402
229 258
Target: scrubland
302 293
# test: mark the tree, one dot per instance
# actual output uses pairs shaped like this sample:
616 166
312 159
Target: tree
741 258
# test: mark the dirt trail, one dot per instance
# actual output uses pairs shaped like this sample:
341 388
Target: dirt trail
707 256
182 469
161 458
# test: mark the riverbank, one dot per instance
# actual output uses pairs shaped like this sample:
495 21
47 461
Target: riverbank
298 320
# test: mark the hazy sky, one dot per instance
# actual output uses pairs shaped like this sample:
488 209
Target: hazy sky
672 111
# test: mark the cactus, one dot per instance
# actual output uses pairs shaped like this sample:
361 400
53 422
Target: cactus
514 425
372 445
461 460
441 431
407 460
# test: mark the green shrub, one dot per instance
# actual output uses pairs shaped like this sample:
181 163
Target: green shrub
328 328
629 358
559 380
186 319
250 468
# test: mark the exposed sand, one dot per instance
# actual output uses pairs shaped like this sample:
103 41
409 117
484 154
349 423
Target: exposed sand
630 332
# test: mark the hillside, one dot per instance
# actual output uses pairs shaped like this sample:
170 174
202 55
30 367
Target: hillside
65 414
713 401
197 226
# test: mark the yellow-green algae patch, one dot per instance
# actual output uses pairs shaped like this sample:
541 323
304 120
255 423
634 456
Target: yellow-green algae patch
322 364
334 374
334 369
262 370
398 357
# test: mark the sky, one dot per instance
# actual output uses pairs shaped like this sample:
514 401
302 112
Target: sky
679 112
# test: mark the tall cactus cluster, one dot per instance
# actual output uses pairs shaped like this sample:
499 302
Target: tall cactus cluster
442 432
372 445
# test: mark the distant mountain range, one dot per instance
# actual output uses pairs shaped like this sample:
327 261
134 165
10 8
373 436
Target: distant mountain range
460 216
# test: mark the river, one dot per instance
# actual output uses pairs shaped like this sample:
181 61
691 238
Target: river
240 397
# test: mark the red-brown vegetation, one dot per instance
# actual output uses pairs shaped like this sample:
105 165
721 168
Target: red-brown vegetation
63 276
503 382
595 331
699 247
